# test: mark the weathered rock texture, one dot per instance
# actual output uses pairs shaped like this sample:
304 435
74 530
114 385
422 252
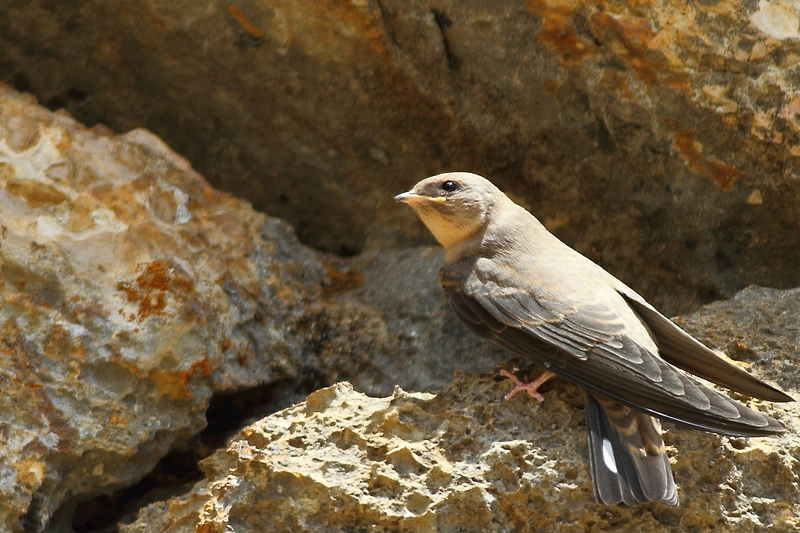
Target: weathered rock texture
424 341
131 291
661 138
465 460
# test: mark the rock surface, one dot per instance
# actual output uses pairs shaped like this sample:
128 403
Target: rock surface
132 292
425 342
661 138
465 460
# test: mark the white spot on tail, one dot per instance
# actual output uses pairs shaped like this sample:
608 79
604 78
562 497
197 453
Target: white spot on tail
608 456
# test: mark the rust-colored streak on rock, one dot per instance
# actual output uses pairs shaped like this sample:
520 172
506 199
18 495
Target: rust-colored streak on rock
342 280
152 304
132 294
634 36
22 362
560 33
365 22
244 21
36 194
151 288
175 383
691 150
172 383
201 368
159 276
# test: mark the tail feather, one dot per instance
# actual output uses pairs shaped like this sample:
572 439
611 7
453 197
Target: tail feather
626 454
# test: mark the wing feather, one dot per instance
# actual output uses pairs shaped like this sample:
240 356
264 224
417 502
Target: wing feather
590 345
686 352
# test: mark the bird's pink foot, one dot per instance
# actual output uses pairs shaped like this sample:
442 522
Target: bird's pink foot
531 388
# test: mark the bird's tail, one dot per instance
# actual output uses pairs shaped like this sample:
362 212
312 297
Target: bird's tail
626 455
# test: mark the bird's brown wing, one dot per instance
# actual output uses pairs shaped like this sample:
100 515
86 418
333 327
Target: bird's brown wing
686 352
587 343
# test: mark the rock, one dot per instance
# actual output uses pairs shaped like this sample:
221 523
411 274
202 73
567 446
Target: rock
133 292
465 460
659 138
760 327
461 461
425 341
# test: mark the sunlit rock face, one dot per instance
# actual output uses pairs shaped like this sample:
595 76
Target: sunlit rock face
660 138
131 290
465 460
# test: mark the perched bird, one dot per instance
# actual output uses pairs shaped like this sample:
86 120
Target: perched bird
510 281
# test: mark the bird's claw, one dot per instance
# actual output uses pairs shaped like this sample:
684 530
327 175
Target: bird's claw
531 388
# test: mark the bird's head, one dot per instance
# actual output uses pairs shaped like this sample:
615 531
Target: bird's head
454 206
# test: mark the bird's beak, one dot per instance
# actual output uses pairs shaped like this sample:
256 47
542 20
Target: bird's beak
412 198
405 197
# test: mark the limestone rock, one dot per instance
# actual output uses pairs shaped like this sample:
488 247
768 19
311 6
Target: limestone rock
425 342
465 460
131 290
661 138
462 461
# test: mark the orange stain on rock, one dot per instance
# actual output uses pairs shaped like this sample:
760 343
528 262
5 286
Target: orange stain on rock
244 21
201 368
132 294
151 287
175 383
152 304
634 36
560 32
691 150
172 383
342 280
119 420
36 194
159 276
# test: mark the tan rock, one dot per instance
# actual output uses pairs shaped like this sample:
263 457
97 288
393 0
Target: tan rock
130 291
465 460
646 125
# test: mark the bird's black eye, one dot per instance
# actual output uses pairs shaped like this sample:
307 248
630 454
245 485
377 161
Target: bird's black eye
449 186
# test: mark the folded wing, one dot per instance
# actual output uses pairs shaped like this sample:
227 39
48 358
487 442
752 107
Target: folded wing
589 343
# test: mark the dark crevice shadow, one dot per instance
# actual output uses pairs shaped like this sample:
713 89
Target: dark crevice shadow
177 472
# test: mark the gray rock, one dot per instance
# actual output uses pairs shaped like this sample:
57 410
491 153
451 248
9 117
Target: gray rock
427 342
660 139
131 291
465 460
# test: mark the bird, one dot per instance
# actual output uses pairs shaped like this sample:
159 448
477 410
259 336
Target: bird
511 281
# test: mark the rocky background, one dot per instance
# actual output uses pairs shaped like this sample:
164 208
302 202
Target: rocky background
147 316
